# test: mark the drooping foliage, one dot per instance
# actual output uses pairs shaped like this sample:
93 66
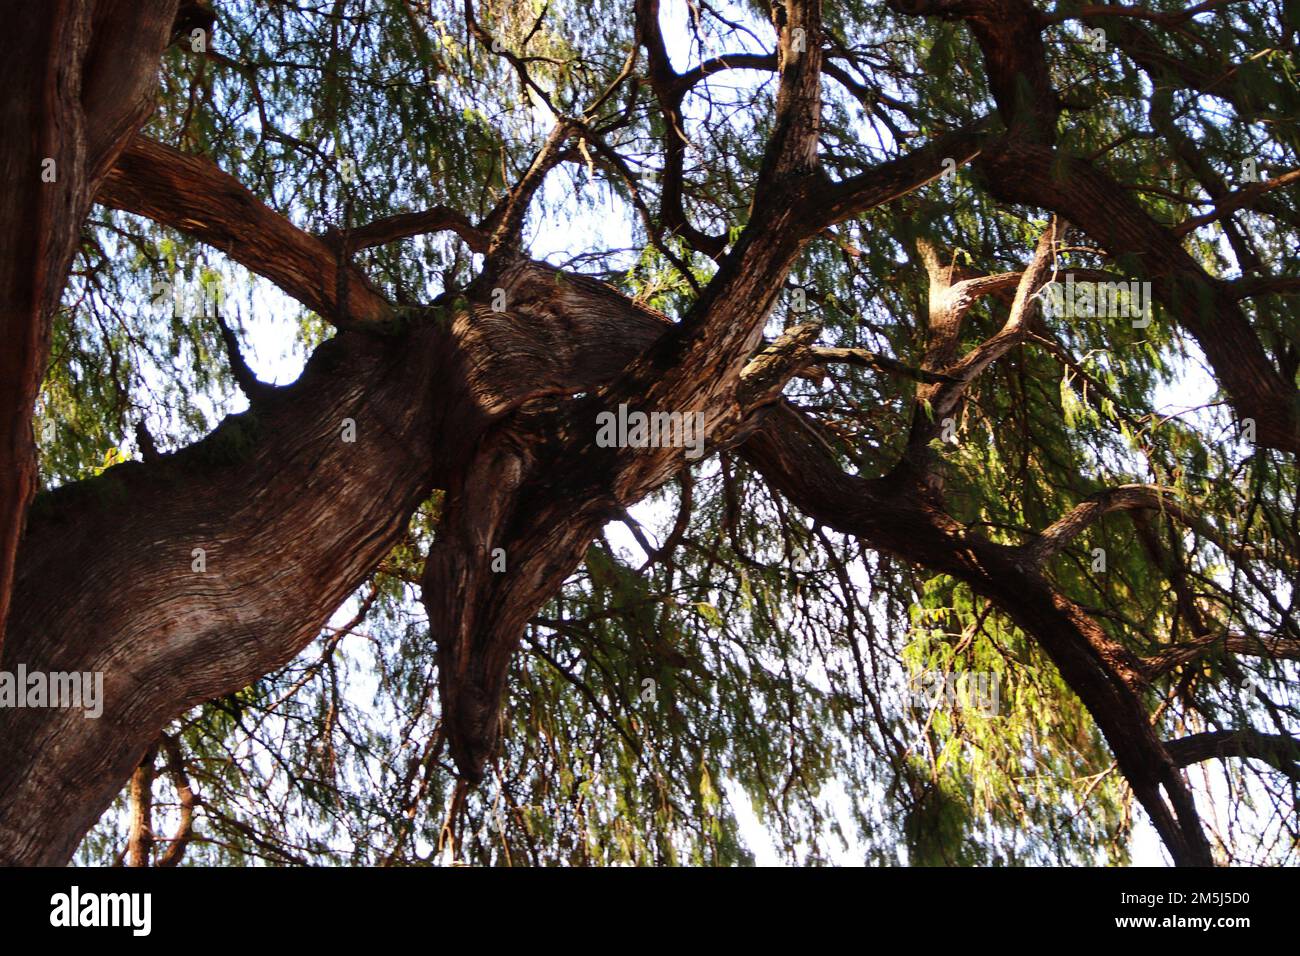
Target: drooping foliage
725 673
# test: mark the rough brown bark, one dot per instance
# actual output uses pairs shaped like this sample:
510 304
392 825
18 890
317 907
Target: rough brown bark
78 79
139 839
166 185
290 518
498 409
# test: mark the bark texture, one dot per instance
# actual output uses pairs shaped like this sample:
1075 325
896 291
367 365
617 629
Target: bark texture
78 77
188 576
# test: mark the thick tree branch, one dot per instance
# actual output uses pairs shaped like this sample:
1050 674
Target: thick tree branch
175 768
1277 750
407 224
1054 539
190 194
836 202
140 837
1268 646
1106 676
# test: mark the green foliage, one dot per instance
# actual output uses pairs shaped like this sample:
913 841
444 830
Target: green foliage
763 663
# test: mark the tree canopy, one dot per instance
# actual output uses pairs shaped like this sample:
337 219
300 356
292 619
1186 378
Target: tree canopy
320 491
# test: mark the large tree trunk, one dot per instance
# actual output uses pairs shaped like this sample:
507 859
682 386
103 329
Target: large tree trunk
290 519
188 577
78 79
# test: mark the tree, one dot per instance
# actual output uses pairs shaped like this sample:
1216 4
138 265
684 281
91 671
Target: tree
922 274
